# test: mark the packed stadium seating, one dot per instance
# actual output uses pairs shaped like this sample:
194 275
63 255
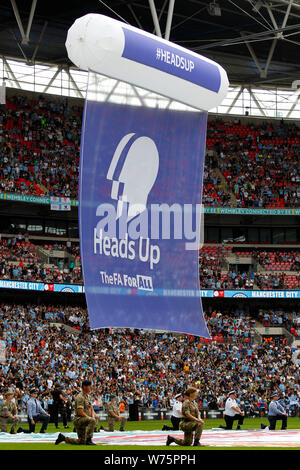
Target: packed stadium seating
156 365
247 165
258 161
51 261
39 147
215 269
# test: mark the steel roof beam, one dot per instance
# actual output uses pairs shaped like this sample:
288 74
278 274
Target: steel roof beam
10 72
31 15
236 41
169 19
155 18
18 18
52 79
25 36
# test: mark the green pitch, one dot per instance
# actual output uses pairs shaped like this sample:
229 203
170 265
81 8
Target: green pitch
249 423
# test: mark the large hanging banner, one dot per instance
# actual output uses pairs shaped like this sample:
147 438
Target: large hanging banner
141 177
141 174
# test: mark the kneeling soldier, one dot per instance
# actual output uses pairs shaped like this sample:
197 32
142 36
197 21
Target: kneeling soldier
114 415
191 423
8 413
85 419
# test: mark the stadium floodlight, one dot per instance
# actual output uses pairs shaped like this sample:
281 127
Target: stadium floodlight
214 9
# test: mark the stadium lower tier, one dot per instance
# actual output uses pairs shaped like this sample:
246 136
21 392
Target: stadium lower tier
44 345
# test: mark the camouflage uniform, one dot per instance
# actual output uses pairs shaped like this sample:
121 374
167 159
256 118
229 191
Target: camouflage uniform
85 426
8 407
188 426
113 407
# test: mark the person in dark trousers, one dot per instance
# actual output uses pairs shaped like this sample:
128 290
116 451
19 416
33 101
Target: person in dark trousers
176 414
232 412
134 404
276 413
59 407
35 413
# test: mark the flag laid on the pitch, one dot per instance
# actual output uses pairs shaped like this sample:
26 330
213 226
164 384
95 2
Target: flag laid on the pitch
140 193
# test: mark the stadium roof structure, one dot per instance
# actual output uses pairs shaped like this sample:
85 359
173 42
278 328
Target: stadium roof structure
256 41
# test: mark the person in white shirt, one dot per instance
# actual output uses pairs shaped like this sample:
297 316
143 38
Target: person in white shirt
232 412
176 414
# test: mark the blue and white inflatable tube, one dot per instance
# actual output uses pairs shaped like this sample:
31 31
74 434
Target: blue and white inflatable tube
109 47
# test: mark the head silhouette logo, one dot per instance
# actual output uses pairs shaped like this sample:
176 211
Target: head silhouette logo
133 171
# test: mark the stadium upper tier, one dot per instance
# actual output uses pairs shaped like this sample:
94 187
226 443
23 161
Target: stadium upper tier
251 166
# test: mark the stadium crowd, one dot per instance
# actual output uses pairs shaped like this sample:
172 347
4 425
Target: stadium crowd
20 259
253 165
156 366
286 260
210 279
260 162
256 165
39 152
278 269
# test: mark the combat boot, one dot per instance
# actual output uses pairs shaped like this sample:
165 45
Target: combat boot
89 442
170 439
197 443
60 438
